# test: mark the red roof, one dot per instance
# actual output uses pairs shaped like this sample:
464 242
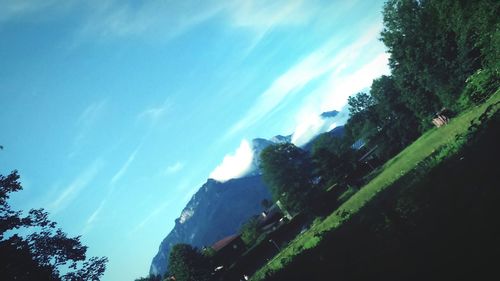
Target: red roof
224 242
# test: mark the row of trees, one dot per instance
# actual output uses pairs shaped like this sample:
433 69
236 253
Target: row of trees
443 53
46 252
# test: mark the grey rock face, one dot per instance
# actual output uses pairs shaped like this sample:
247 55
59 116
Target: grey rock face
217 210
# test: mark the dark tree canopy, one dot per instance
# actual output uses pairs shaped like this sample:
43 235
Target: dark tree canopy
39 255
186 263
287 170
333 157
250 231
359 103
436 45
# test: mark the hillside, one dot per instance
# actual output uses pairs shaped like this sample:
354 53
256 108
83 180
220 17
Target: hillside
429 214
214 212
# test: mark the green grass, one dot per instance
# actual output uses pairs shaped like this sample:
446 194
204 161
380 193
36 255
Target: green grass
436 144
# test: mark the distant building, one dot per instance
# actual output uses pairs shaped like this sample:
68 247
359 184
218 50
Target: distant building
228 249
357 145
270 218
441 117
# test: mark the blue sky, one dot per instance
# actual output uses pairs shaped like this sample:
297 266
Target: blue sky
115 112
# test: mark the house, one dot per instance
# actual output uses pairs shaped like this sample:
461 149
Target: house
228 249
370 158
270 218
441 117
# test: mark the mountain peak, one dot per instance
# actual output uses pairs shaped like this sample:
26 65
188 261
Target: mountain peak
329 114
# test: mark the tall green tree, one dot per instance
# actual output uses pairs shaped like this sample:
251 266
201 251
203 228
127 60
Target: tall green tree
397 126
186 263
250 231
435 45
363 119
334 159
287 170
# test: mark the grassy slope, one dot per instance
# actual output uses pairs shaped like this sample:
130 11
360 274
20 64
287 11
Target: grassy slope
401 165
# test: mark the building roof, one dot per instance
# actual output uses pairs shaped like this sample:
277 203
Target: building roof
224 242
357 145
368 153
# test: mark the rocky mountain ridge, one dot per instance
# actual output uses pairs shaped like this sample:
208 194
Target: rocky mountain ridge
218 209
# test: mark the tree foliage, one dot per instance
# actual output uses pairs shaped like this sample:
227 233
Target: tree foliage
287 170
186 263
436 45
359 103
41 254
334 159
250 231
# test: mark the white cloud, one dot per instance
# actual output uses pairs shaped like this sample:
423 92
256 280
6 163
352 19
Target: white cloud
96 212
234 165
153 114
333 95
123 169
309 124
174 168
12 9
168 19
325 60
151 215
75 187
85 123
265 14
171 18
91 113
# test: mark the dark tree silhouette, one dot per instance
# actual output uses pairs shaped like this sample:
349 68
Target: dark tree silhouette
39 255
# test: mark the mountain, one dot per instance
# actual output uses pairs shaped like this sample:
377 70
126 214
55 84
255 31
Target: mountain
329 114
336 132
217 210
260 144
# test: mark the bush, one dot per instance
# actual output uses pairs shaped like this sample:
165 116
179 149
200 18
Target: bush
479 87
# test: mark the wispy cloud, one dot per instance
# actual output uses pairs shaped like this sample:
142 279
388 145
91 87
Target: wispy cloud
324 61
163 19
265 15
124 167
151 215
89 223
173 168
333 95
171 18
96 212
75 187
234 165
85 122
154 113
13 9
91 113
111 187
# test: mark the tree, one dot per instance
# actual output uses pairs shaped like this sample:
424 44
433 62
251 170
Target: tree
398 125
149 278
333 157
39 255
287 170
250 231
186 263
359 103
435 45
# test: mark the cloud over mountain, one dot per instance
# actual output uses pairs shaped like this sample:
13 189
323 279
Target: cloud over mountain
234 165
